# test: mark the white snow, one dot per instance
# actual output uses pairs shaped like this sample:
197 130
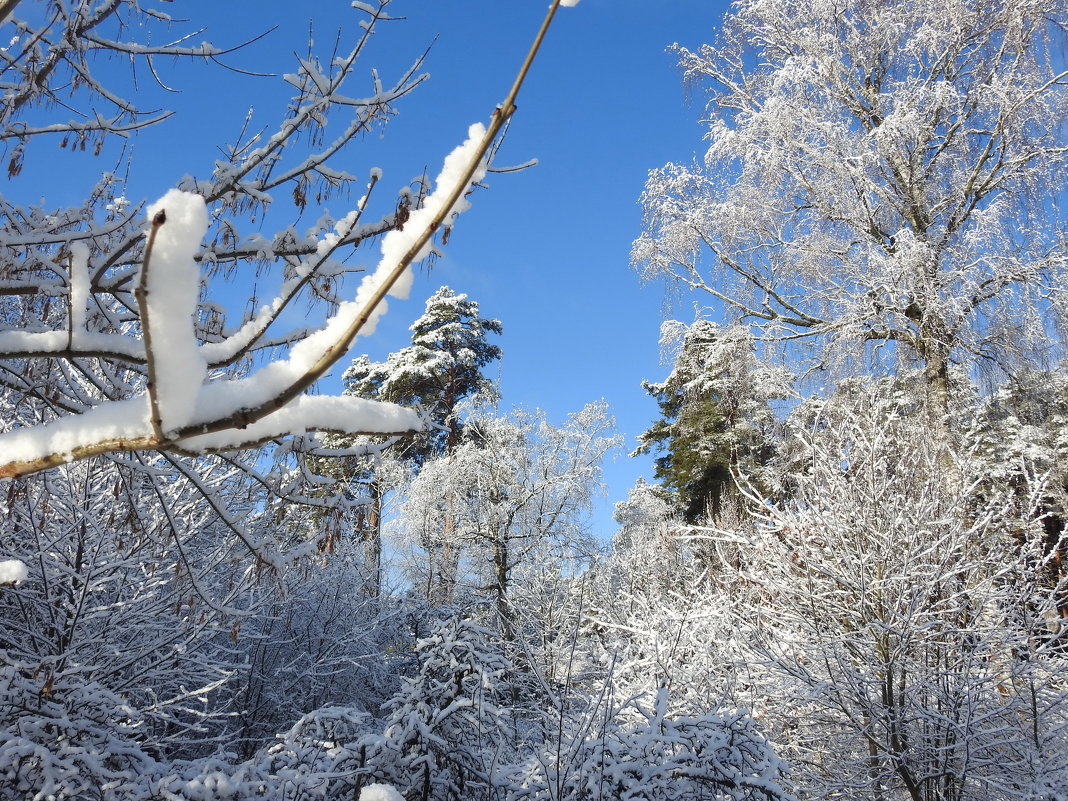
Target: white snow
312 413
79 288
117 420
12 571
380 792
173 284
56 341
396 243
127 420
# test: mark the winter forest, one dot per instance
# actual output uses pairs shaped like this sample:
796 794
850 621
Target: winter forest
241 557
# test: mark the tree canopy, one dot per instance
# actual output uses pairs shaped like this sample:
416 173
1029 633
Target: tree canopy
881 181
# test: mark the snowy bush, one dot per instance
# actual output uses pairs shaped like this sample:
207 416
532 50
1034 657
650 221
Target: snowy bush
448 730
319 643
893 602
639 752
67 740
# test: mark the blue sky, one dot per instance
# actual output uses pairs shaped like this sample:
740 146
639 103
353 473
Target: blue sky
545 250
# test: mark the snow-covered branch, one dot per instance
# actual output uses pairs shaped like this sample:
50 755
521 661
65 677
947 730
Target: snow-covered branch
157 348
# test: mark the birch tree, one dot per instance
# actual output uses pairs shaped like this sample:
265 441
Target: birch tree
882 181
516 485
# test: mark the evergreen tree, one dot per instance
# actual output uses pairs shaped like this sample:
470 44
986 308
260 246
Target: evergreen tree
439 370
715 417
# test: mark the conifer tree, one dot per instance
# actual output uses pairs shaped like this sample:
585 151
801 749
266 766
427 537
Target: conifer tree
439 370
715 416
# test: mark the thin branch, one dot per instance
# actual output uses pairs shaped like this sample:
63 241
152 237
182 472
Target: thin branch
146 328
501 114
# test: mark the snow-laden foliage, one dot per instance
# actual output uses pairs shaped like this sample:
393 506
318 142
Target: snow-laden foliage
640 751
76 741
881 179
322 639
894 617
448 732
904 612
515 486
716 414
653 608
133 587
452 734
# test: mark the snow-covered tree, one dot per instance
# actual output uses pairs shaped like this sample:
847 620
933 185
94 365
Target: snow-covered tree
657 604
901 628
1022 433
317 641
134 588
453 733
716 415
882 180
515 485
448 732
641 750
439 372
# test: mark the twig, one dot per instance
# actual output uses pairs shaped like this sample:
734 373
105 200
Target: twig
6 8
501 115
141 293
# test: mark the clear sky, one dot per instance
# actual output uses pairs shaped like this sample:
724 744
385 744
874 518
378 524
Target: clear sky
545 250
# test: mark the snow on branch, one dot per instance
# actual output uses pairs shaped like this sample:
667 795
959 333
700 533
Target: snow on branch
182 407
12 571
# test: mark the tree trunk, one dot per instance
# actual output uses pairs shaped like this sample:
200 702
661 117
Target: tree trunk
936 380
372 536
443 585
500 574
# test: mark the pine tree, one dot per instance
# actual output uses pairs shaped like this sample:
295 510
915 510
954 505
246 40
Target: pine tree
439 370
715 417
